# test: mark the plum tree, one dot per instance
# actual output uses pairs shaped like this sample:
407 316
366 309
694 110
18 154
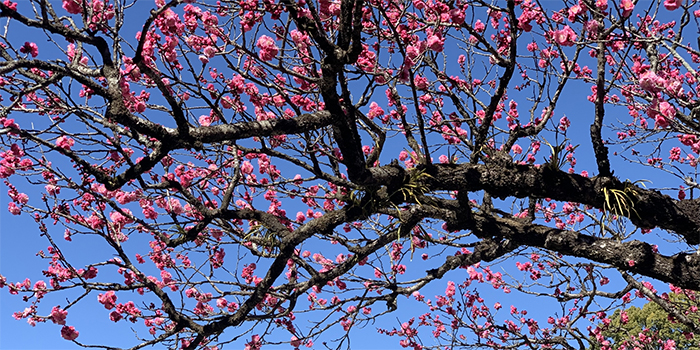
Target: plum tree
286 172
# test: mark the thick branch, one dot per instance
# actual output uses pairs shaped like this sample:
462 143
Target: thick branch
599 148
651 208
681 269
230 132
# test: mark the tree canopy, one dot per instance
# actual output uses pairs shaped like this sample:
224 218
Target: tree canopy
247 173
641 327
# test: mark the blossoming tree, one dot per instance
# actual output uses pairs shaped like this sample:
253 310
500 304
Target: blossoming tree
288 172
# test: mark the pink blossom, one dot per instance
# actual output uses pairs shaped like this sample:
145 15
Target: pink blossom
479 26
457 15
204 120
672 5
422 82
174 206
40 285
90 273
375 111
115 316
532 47
11 5
209 51
29 48
74 7
221 303
296 342
13 208
108 299
65 142
254 343
627 7
564 123
450 290
121 219
69 333
576 10
268 48
651 82
565 36
58 316
52 189
247 168
95 221
667 110
436 42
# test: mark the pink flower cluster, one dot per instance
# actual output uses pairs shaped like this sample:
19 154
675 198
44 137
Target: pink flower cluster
108 299
73 6
268 48
672 5
65 142
651 82
58 315
29 48
11 160
565 36
69 333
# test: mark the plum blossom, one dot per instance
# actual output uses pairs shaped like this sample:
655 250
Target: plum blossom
479 26
457 16
73 7
115 316
254 343
651 82
221 303
578 9
247 168
627 6
268 48
58 316
436 42
108 299
29 48
565 36
69 333
205 120
13 208
672 5
667 110
516 149
564 123
65 142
